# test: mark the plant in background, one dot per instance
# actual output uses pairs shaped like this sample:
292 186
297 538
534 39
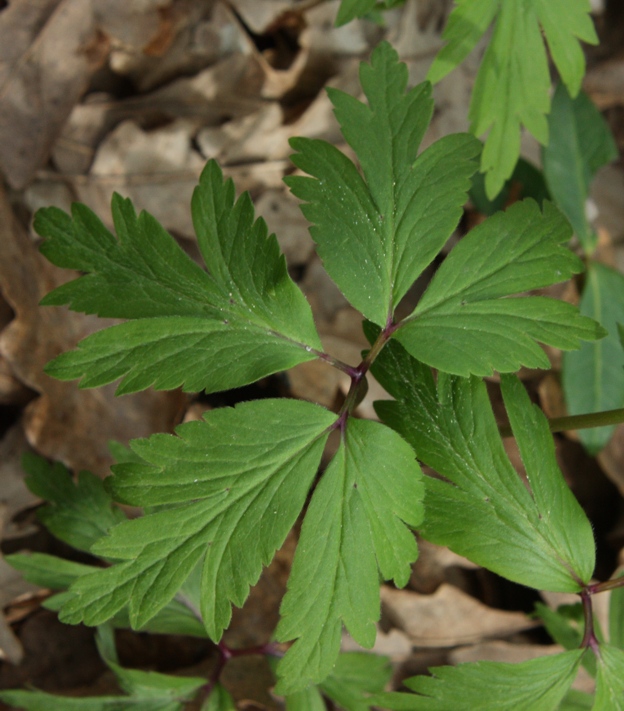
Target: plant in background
512 88
221 495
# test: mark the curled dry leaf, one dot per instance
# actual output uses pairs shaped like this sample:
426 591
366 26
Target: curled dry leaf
64 423
48 52
448 617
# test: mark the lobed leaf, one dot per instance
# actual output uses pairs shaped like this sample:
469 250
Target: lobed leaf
535 685
376 233
512 87
537 535
78 514
580 144
355 676
356 524
464 325
189 324
232 486
593 376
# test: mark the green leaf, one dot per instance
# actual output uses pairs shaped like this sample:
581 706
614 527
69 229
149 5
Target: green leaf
580 143
593 377
537 536
616 615
610 679
535 685
464 325
576 701
355 676
350 9
376 233
78 514
309 699
526 181
235 482
356 524
219 700
512 87
41 701
48 571
243 320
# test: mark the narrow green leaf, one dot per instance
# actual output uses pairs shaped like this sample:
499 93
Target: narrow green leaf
593 377
559 626
48 571
464 325
41 701
616 615
187 320
610 679
580 144
79 513
535 685
356 524
355 676
236 482
576 701
538 537
377 233
512 87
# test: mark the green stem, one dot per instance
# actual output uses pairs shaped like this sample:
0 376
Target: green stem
578 422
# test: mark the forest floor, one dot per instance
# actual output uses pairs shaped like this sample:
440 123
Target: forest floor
134 97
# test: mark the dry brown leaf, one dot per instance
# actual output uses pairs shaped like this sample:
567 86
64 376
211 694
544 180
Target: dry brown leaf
48 52
12 585
64 423
14 494
394 644
448 617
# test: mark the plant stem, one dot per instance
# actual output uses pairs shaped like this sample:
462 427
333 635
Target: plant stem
607 585
578 422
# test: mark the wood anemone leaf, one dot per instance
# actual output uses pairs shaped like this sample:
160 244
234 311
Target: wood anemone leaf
536 535
465 323
356 525
228 488
240 321
378 230
513 84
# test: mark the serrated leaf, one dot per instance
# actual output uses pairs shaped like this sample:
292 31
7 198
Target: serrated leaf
376 233
580 143
79 513
236 482
355 525
243 320
536 685
593 376
354 677
464 325
609 679
538 537
512 87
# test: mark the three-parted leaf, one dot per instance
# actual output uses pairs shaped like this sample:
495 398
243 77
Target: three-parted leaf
580 143
236 323
536 536
535 685
512 87
464 325
233 486
593 376
355 525
377 232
